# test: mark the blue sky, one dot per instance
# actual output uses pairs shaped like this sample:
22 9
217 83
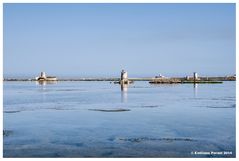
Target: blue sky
84 40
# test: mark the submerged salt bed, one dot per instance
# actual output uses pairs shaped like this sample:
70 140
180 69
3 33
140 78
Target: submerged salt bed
97 119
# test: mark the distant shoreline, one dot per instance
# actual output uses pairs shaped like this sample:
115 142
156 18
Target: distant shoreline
132 79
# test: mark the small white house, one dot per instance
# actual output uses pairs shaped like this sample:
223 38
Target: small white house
43 77
124 75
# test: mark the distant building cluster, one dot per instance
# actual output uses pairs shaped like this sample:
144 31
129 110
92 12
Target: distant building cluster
159 76
194 77
44 77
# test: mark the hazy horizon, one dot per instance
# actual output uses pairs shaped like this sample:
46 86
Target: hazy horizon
99 40
28 76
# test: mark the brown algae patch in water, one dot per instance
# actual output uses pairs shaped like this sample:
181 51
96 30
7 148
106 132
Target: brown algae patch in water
7 132
11 111
150 106
231 106
110 110
143 139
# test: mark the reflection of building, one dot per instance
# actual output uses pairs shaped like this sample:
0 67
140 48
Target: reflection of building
124 87
195 89
43 77
124 90
45 82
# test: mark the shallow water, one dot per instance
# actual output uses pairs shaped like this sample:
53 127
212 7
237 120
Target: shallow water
101 119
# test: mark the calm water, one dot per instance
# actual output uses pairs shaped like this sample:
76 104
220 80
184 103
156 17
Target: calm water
97 119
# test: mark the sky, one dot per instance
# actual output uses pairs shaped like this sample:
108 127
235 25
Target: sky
99 40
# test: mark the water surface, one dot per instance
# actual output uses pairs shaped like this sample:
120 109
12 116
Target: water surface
102 119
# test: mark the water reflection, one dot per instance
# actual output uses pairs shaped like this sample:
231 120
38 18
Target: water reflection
195 89
165 85
124 91
43 88
45 82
